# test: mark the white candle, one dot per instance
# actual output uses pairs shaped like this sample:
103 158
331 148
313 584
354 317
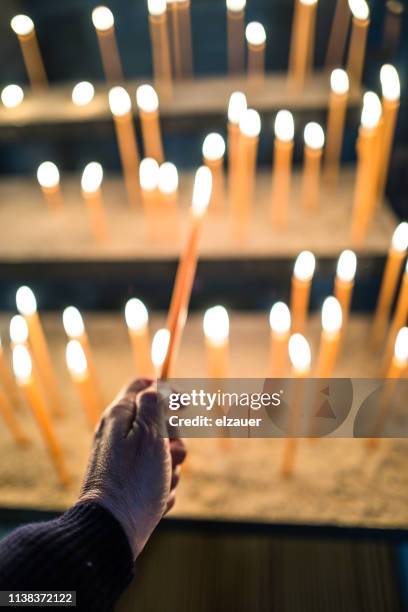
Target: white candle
137 321
12 96
280 322
216 332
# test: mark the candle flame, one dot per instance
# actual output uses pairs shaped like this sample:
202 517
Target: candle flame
236 107
160 345
314 135
136 315
332 316
92 177
168 178
156 7
305 265
346 266
299 353
22 25
359 9
284 126
102 18
390 82
216 324
12 96
22 364
147 98
18 330
235 6
25 301
213 147
119 101
76 359
401 347
250 123
149 174
279 318
339 81
83 93
372 110
202 190
400 237
255 33
48 175
308 2
73 322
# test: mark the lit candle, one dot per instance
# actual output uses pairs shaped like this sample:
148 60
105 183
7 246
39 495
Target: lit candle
184 12
159 36
301 284
12 96
332 319
213 156
216 333
236 107
396 255
7 412
256 40
48 177
279 320
6 378
83 93
23 26
148 104
400 315
91 182
137 321
300 357
149 182
27 307
282 166
175 38
121 109
358 41
167 183
344 282
302 44
235 35
23 372
78 368
393 20
367 168
160 345
186 270
338 35
18 330
390 85
314 141
399 361
339 88
104 24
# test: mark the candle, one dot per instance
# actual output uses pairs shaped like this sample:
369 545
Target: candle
213 156
396 255
394 15
137 321
23 372
187 267
184 10
390 85
280 321
7 412
175 42
83 93
6 378
48 177
300 357
235 35
367 168
216 333
332 319
148 104
91 182
18 330
358 41
23 26
78 368
236 107
339 86
121 108
302 44
314 141
400 315
160 345
301 284
159 36
243 186
282 167
27 307
149 181
338 35
344 282
256 40
400 359
104 24
168 181
12 96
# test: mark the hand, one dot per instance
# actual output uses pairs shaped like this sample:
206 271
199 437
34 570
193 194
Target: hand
134 469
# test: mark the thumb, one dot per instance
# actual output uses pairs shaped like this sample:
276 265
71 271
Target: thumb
151 411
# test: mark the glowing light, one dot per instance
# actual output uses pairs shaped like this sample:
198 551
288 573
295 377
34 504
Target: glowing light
255 33
168 178
73 322
400 237
18 330
156 7
147 98
250 123
279 318
149 174
160 345
372 110
304 266
390 82
48 175
401 346
213 147
92 177
25 301
235 6
119 101
76 358
22 364
332 316
12 96
102 18
22 25
236 107
339 81
299 353
83 93
308 1
346 266
202 190
359 9
314 135
136 315
284 126
216 325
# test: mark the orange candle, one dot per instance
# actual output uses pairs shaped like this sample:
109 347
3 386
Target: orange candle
7 412
314 141
137 321
390 85
148 104
344 282
91 182
235 35
175 37
396 255
184 12
216 333
213 157
399 361
121 108
23 26
78 368
6 378
400 315
23 371
256 40
338 35
302 44
339 86
301 284
159 36
104 24
358 40
236 107
282 167
168 198
280 321
48 177
149 172
27 307
330 337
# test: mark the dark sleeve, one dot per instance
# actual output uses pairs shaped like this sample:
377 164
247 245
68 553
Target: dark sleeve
85 550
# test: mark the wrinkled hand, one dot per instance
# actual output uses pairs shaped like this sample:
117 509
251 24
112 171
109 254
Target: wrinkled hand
133 470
